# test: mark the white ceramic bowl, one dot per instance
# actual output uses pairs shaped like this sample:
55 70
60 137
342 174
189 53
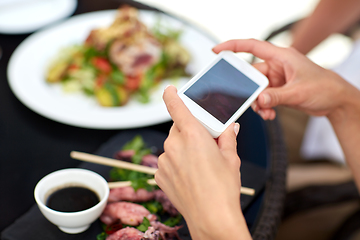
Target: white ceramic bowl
72 222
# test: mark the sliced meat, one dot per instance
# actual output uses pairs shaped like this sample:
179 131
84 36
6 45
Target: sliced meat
150 160
166 232
127 233
128 213
125 155
151 234
135 58
129 194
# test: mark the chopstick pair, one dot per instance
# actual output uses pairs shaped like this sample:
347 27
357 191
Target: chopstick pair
130 166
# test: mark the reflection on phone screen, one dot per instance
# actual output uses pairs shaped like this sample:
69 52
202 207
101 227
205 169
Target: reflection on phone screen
222 90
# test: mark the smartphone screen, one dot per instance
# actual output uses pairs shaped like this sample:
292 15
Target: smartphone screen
222 90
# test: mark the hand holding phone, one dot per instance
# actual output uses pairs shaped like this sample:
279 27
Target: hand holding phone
220 93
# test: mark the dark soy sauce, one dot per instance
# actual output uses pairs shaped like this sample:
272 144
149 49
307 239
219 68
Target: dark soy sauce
72 199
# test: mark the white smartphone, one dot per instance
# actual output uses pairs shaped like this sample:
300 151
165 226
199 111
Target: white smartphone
220 93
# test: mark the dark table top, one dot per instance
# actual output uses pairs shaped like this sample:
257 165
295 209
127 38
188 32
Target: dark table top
32 146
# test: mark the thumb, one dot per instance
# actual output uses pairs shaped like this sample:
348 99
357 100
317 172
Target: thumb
272 97
227 141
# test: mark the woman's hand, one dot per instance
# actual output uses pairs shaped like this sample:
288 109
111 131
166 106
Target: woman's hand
294 80
297 82
201 176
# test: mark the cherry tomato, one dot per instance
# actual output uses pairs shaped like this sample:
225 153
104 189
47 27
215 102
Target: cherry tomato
102 64
133 82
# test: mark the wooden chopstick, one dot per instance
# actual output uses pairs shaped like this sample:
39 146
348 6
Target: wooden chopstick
243 190
130 166
247 191
127 183
112 162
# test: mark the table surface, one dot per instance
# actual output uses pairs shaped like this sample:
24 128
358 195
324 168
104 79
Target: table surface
32 146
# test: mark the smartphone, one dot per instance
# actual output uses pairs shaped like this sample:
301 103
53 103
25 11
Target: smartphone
219 94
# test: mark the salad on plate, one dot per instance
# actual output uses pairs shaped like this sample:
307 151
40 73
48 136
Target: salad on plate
122 61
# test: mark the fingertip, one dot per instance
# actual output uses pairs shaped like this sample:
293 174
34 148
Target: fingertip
156 175
231 131
227 45
215 49
254 106
166 87
236 128
261 114
264 100
177 109
272 115
227 141
170 88
157 178
267 114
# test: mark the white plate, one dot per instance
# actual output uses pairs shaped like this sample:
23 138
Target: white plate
29 62
26 16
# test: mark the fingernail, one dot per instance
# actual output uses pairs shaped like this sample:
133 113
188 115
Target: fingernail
236 128
253 106
167 87
266 98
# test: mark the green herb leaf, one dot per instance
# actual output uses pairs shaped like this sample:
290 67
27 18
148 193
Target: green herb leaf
117 77
134 175
136 144
137 158
153 206
138 180
101 236
144 225
172 221
141 183
117 174
88 91
90 52
113 93
142 96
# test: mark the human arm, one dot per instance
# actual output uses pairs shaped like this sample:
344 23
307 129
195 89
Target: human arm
328 17
201 176
297 82
346 124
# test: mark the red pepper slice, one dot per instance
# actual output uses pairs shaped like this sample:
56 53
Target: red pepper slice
133 82
102 64
73 67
